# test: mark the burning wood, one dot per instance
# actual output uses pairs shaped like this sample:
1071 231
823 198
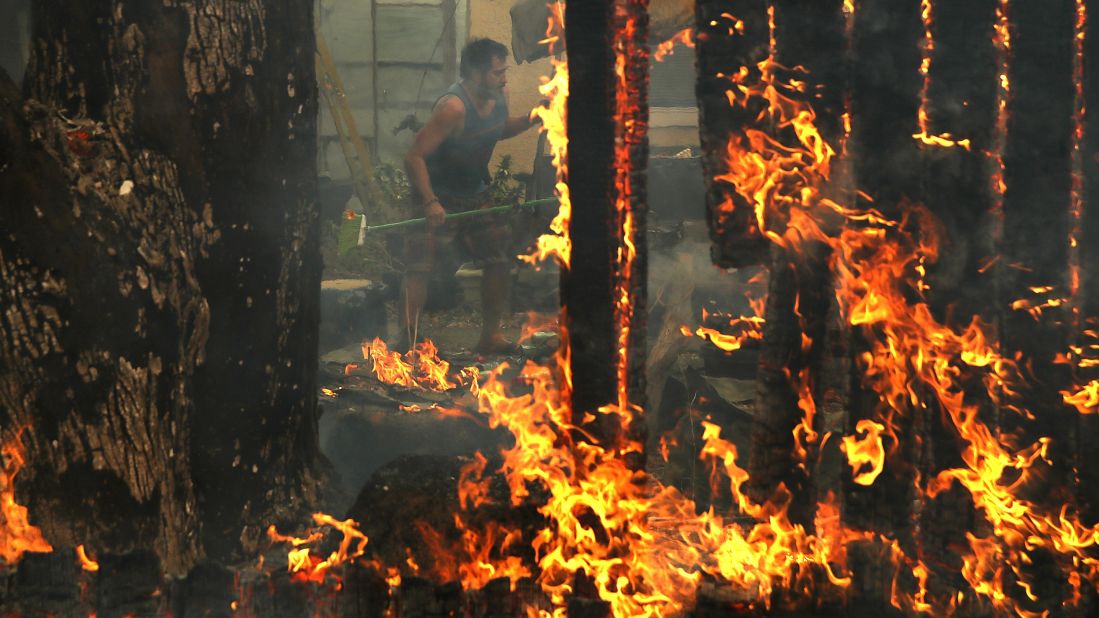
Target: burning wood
642 546
17 534
420 367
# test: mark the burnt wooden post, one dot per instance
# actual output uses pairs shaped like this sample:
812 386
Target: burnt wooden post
1037 162
957 185
161 259
721 52
1088 431
885 85
808 35
599 178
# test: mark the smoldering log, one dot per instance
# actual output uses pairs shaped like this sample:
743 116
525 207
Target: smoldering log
164 257
587 292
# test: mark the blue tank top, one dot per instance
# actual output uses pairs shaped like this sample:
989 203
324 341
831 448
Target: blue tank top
459 166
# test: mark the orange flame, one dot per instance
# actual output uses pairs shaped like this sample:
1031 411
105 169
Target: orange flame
865 451
553 116
1002 41
86 562
1085 399
944 140
17 535
420 367
307 567
667 48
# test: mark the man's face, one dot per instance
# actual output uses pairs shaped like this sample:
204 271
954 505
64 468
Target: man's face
496 77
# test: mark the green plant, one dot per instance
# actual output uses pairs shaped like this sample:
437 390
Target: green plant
505 188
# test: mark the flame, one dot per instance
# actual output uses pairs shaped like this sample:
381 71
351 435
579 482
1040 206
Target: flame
307 567
86 562
865 451
420 367
944 140
553 117
631 127
1085 399
667 48
745 328
17 534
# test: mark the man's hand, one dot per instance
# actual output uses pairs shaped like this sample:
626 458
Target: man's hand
435 213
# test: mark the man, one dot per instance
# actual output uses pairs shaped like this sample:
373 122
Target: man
448 170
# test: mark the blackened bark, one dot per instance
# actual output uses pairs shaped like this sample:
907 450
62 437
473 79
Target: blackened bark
256 425
721 52
163 259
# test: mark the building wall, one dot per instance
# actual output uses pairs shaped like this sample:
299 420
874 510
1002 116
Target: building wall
668 130
408 31
491 18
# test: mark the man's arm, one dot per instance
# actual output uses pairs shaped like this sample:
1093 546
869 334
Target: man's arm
517 124
446 119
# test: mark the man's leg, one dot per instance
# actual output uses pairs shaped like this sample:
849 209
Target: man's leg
495 300
419 259
411 307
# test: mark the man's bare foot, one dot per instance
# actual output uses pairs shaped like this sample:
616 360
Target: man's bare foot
497 345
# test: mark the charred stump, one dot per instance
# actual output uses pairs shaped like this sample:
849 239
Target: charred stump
161 269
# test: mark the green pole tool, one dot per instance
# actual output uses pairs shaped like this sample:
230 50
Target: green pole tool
352 228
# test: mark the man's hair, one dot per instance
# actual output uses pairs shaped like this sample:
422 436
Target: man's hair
477 55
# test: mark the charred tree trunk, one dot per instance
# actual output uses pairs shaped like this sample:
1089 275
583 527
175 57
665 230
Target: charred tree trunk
162 274
605 183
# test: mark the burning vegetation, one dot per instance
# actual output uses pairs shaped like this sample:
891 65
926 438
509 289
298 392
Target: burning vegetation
598 525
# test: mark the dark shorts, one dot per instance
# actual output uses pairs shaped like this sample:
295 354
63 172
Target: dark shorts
483 240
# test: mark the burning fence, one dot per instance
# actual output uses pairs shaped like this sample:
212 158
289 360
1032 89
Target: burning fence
948 406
